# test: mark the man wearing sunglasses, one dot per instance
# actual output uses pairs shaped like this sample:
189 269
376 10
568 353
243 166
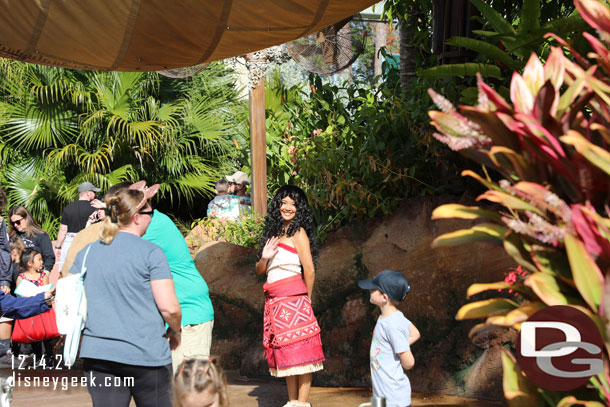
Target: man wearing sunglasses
241 203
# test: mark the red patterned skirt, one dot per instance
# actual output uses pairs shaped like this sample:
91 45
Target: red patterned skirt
291 336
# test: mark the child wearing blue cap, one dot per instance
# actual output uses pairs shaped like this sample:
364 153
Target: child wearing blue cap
392 339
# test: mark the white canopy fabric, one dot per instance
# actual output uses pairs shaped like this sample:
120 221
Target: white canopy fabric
152 35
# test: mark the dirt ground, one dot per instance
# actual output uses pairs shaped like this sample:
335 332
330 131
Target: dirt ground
243 392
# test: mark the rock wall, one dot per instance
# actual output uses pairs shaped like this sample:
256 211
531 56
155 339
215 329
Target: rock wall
447 361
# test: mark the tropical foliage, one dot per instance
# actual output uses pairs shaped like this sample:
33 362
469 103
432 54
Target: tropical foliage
551 165
60 127
246 232
357 150
504 42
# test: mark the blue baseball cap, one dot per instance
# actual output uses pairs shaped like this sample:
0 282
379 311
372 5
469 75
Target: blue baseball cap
390 282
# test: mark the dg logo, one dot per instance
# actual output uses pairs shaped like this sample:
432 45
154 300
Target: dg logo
560 348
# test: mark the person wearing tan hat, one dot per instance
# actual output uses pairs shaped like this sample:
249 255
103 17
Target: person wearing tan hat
240 203
238 183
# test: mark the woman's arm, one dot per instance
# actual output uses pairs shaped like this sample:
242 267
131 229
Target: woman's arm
269 251
301 242
164 295
46 249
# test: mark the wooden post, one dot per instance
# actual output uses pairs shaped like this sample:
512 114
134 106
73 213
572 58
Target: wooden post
258 146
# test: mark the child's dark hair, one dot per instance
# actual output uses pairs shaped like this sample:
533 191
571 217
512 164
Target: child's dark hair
197 376
222 185
274 224
27 255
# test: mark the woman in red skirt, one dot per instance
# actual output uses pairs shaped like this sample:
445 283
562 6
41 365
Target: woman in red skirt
291 332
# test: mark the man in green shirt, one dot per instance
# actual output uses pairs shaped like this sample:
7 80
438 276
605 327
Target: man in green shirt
191 290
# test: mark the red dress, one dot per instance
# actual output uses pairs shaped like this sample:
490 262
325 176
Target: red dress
39 282
291 336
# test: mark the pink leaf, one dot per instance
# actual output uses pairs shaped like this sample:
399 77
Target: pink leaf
493 96
597 14
520 94
586 227
533 74
554 69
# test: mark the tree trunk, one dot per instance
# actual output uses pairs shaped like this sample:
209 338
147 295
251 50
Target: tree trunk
407 49
381 40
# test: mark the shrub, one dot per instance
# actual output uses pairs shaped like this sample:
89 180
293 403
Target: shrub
550 151
247 232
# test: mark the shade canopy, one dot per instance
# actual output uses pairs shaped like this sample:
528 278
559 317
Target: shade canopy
151 35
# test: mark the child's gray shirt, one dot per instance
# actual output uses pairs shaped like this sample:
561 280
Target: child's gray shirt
390 337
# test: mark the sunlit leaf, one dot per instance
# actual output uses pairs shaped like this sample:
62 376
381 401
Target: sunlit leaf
587 275
546 288
462 212
483 232
486 308
518 391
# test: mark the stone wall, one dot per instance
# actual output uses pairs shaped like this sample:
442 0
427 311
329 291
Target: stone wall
447 361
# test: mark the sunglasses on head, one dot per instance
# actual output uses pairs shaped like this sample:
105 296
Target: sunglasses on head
232 183
151 212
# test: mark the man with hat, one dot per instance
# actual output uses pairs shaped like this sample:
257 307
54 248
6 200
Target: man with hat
74 218
390 353
240 203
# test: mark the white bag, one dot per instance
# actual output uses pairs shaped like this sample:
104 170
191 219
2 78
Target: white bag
71 310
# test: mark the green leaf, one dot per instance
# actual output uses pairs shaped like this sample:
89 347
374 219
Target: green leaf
480 287
587 275
530 16
462 212
493 17
486 308
551 262
596 155
570 401
518 391
485 48
461 70
483 232
515 317
546 288
513 244
508 200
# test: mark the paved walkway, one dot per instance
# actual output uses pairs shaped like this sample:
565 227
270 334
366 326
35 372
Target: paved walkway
62 388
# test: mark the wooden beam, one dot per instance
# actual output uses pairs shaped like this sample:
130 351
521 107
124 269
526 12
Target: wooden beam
258 146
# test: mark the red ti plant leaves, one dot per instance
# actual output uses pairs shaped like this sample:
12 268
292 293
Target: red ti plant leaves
596 14
520 94
554 70
588 230
493 97
603 55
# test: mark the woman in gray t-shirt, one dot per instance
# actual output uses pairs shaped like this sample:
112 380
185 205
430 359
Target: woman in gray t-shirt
130 295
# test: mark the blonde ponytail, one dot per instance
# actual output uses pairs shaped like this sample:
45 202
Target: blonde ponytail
123 206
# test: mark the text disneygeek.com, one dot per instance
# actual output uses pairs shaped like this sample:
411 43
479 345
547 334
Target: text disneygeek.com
65 382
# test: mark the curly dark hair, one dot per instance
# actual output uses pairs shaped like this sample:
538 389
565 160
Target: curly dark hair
274 224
